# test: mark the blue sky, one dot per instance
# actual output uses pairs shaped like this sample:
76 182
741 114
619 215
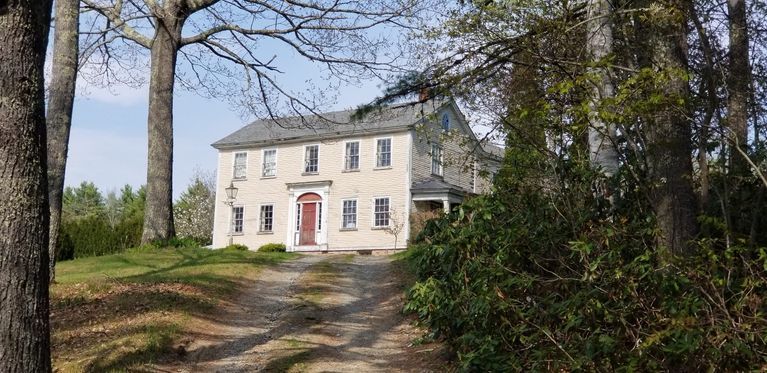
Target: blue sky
108 141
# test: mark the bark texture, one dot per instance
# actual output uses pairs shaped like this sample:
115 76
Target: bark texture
60 104
669 131
158 216
738 83
24 328
599 45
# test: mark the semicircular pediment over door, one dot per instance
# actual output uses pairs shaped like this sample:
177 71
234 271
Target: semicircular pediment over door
310 197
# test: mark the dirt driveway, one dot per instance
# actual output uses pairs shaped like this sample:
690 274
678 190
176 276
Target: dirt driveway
318 313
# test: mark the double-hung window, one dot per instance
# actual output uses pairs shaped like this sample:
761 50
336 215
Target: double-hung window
312 159
349 214
240 165
436 159
238 217
383 152
266 221
381 212
269 165
352 156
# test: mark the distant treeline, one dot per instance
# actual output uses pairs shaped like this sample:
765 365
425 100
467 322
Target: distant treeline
94 224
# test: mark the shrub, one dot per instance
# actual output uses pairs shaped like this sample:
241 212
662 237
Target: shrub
272 248
237 246
94 236
522 281
179 242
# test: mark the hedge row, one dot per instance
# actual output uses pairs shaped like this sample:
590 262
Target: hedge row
94 236
514 285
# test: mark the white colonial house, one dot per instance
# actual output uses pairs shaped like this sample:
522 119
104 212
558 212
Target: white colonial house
337 184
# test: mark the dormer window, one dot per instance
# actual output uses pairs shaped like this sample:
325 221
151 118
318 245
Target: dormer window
445 122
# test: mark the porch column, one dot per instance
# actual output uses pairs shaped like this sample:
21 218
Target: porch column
446 205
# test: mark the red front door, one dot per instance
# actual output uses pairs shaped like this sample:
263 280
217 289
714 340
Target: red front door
308 224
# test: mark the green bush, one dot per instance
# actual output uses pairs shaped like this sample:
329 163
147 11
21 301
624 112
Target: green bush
94 236
181 242
237 246
272 248
523 281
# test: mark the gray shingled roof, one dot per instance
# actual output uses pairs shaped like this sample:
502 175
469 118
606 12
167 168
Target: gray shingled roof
433 184
329 125
494 150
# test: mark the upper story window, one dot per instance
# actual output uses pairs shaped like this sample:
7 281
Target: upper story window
381 209
383 152
267 218
349 214
238 217
240 165
352 156
436 160
312 159
445 122
473 181
269 164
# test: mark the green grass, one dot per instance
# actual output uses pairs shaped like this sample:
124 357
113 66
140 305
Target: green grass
120 311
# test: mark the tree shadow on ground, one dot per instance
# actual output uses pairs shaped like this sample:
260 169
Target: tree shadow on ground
369 317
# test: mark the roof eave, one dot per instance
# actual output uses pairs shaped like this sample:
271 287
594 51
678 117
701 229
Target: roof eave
239 145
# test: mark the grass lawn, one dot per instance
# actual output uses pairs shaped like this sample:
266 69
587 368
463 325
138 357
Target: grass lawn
114 312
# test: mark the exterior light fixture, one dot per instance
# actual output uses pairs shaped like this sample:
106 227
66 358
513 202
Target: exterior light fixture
231 196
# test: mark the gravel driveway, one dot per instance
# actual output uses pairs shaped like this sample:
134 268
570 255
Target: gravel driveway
318 313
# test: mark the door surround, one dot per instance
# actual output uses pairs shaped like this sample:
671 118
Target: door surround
295 192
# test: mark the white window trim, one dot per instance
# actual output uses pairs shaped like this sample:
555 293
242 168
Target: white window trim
263 158
373 212
234 164
343 156
231 220
375 153
356 215
303 164
441 168
274 212
442 122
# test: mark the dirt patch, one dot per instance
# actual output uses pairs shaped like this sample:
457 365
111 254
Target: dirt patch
318 313
115 324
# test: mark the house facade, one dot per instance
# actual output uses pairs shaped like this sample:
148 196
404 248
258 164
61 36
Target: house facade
330 183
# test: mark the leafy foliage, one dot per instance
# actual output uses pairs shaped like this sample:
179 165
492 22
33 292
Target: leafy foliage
272 248
531 280
94 226
237 247
194 210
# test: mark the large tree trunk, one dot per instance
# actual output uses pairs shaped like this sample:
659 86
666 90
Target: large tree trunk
738 83
158 217
60 103
669 131
599 44
24 335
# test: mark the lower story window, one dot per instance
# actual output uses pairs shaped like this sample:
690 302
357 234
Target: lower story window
349 214
381 212
267 218
238 215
